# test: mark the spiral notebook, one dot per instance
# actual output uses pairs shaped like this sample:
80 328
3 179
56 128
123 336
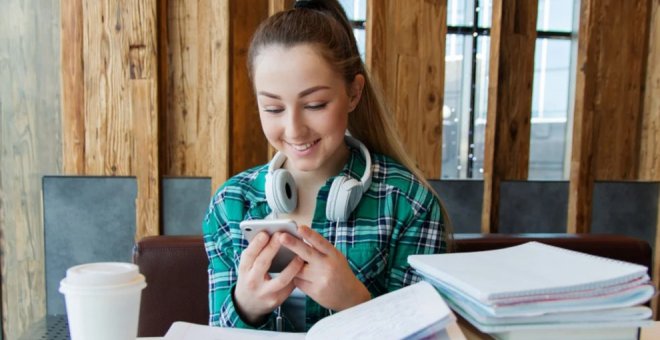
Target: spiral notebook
533 268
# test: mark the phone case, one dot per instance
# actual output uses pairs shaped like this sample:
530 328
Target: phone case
251 228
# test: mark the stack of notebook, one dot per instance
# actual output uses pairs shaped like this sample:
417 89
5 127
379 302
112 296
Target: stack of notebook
536 290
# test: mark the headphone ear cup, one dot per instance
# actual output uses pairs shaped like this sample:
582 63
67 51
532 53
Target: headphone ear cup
281 192
343 197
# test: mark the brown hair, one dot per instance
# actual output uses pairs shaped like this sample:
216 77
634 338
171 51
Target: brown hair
324 23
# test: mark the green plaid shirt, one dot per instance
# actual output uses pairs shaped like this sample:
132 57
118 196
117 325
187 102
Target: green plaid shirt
398 216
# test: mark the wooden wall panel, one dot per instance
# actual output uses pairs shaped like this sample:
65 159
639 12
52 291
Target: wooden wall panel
108 117
649 168
185 126
620 82
405 55
249 146
143 89
145 107
512 44
607 117
73 127
195 78
215 87
649 163
30 147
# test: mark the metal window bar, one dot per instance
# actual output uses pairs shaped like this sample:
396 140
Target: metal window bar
476 31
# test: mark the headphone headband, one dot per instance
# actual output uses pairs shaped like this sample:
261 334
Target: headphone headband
365 180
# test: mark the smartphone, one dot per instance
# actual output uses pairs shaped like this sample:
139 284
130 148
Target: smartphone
251 228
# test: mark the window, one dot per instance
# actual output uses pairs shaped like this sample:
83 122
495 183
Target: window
551 97
356 10
466 88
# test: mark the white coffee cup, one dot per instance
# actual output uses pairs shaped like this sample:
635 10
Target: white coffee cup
103 300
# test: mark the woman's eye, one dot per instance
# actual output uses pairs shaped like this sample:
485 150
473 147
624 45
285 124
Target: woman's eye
273 110
316 106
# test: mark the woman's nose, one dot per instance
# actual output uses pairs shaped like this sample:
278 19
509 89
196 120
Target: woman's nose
295 125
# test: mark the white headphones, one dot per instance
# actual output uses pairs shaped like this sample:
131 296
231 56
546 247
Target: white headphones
345 192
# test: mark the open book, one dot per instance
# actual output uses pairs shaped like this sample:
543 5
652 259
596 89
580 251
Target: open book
413 312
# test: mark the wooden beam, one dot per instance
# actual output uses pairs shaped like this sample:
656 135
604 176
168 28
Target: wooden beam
380 60
185 141
145 109
649 168
108 120
73 120
163 69
214 91
30 128
608 100
650 145
582 167
145 113
512 44
143 74
249 146
405 55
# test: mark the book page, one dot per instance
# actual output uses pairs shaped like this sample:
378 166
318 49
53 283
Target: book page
527 269
185 331
396 315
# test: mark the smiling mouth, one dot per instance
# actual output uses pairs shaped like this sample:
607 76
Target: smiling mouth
303 147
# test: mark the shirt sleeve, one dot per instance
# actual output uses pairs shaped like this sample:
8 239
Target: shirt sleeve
223 263
422 233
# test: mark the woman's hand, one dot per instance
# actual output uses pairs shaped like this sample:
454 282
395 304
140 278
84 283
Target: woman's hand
257 294
326 276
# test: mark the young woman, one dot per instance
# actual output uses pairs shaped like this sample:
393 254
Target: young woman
362 206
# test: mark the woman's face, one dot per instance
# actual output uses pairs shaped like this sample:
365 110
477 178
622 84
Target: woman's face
304 106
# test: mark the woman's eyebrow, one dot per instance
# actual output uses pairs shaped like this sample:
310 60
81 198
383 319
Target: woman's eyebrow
312 90
300 95
264 93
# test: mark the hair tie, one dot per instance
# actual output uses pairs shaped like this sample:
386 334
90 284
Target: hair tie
309 4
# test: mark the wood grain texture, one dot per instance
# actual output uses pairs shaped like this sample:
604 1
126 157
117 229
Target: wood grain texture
108 117
649 168
649 163
185 127
145 108
512 44
214 92
607 117
30 147
195 74
380 60
582 167
73 122
143 87
619 83
405 56
249 146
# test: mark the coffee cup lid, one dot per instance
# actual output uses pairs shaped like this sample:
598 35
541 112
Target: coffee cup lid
102 274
